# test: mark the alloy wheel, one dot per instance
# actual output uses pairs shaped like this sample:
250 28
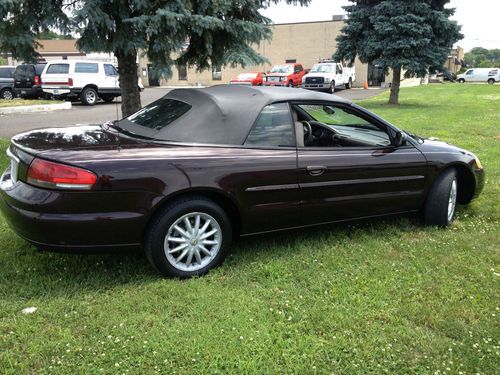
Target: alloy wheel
7 95
90 96
452 200
193 241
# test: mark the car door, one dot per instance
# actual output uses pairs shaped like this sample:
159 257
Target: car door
111 79
267 187
359 175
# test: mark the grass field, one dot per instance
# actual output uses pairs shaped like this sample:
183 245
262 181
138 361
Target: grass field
369 298
26 102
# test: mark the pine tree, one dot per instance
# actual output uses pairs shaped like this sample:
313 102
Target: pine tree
196 33
413 36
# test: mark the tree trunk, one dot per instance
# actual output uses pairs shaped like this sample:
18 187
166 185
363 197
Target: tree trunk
127 67
396 82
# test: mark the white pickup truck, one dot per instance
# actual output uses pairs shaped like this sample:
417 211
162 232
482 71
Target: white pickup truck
327 75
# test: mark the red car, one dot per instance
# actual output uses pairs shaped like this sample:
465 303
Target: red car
252 79
285 75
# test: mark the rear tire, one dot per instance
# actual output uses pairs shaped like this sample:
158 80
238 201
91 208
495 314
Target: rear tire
348 85
491 81
88 96
107 98
178 249
441 204
7 94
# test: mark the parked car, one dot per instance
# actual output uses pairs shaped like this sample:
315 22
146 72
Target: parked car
7 82
490 75
252 79
82 79
327 75
28 81
187 173
285 75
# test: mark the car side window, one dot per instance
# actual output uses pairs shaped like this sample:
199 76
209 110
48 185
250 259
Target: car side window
273 128
58 69
86 68
110 70
469 72
6 72
332 126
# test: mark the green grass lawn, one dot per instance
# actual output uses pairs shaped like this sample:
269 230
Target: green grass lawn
24 102
369 298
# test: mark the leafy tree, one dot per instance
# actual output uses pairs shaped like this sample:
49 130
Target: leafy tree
482 57
197 33
414 36
53 35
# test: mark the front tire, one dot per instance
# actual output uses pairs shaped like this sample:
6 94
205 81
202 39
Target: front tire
461 80
188 237
491 81
290 84
88 96
107 98
331 90
441 204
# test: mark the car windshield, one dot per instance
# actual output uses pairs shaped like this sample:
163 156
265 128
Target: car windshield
247 76
322 68
157 115
282 69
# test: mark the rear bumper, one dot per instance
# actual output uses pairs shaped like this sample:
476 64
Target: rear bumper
63 220
28 91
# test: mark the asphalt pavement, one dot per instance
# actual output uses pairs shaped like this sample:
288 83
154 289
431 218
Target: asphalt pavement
102 112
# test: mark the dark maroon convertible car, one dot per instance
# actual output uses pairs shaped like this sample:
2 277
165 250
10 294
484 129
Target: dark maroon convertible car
184 175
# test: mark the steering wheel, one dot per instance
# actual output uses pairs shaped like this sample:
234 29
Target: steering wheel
308 135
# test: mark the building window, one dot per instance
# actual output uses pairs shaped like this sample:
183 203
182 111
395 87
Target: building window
217 73
290 61
183 75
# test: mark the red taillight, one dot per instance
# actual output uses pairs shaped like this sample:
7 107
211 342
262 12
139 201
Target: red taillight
70 81
38 81
48 174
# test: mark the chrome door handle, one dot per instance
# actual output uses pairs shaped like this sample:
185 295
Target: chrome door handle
316 170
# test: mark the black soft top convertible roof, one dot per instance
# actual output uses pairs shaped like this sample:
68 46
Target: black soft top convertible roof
224 114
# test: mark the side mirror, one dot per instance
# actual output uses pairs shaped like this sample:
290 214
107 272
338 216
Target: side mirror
400 139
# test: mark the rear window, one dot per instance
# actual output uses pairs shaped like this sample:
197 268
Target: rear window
159 114
57 69
86 68
7 72
24 71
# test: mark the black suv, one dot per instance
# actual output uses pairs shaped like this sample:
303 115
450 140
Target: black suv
28 80
6 82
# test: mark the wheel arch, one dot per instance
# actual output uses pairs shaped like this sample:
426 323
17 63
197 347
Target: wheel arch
91 85
466 181
226 202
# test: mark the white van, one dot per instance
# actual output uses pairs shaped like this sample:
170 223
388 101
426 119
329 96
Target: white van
83 79
490 75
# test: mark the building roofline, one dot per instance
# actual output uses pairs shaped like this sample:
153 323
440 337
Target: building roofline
305 22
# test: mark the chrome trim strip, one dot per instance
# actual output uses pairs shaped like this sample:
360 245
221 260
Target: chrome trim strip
360 181
273 187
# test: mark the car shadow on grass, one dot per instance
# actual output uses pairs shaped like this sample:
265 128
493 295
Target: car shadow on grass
68 274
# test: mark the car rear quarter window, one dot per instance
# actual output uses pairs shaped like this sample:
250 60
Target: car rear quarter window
159 114
273 128
7 72
86 68
39 68
57 69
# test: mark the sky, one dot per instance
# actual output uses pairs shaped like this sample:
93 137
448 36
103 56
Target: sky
479 18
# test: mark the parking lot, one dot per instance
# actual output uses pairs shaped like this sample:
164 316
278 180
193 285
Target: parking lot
101 112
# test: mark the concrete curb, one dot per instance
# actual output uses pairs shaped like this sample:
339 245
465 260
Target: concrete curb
35 108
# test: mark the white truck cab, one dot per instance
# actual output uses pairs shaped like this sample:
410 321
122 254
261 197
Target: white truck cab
82 79
328 75
490 75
